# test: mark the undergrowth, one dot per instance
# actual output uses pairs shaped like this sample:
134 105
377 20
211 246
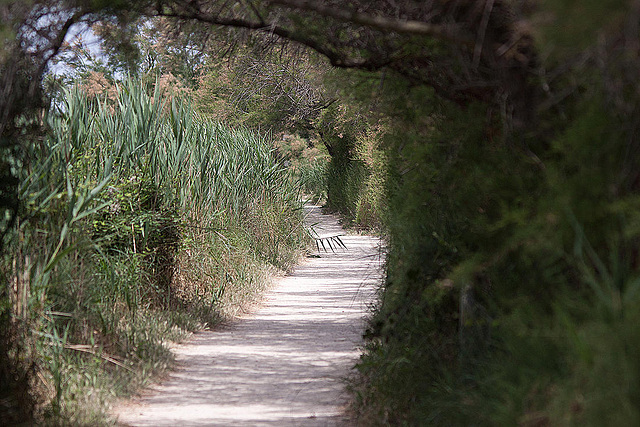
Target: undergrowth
141 223
356 172
309 162
512 278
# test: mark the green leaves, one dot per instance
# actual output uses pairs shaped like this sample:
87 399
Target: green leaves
137 209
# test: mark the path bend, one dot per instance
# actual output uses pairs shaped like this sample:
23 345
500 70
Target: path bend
284 364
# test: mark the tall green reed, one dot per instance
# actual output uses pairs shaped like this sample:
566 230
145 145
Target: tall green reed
121 199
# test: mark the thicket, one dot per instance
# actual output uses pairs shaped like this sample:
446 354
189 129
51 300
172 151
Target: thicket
497 144
512 289
141 222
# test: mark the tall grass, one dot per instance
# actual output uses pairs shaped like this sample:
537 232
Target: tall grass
313 178
141 221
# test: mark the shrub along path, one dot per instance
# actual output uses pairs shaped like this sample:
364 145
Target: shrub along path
283 364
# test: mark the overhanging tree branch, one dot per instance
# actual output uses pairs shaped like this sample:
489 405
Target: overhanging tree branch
445 32
334 57
56 44
463 68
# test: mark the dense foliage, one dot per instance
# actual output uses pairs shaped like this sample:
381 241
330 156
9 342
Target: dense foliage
141 222
494 143
512 275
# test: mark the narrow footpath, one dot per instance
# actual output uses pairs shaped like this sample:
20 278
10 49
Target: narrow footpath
283 365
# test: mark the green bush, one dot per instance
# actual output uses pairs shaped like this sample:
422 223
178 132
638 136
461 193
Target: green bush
313 178
142 222
511 278
356 173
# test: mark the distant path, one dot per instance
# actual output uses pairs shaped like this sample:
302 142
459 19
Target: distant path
282 365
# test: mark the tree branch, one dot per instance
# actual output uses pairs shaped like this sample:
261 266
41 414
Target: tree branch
334 57
444 32
477 51
56 44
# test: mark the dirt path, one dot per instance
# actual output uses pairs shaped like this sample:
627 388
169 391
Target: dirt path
282 365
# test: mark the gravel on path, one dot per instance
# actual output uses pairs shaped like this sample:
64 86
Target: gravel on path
284 364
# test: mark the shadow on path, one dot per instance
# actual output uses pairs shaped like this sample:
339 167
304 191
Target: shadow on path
284 364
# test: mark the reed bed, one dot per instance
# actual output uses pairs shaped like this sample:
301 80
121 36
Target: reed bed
142 221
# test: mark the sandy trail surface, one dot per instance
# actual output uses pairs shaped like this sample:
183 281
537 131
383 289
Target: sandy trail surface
285 363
